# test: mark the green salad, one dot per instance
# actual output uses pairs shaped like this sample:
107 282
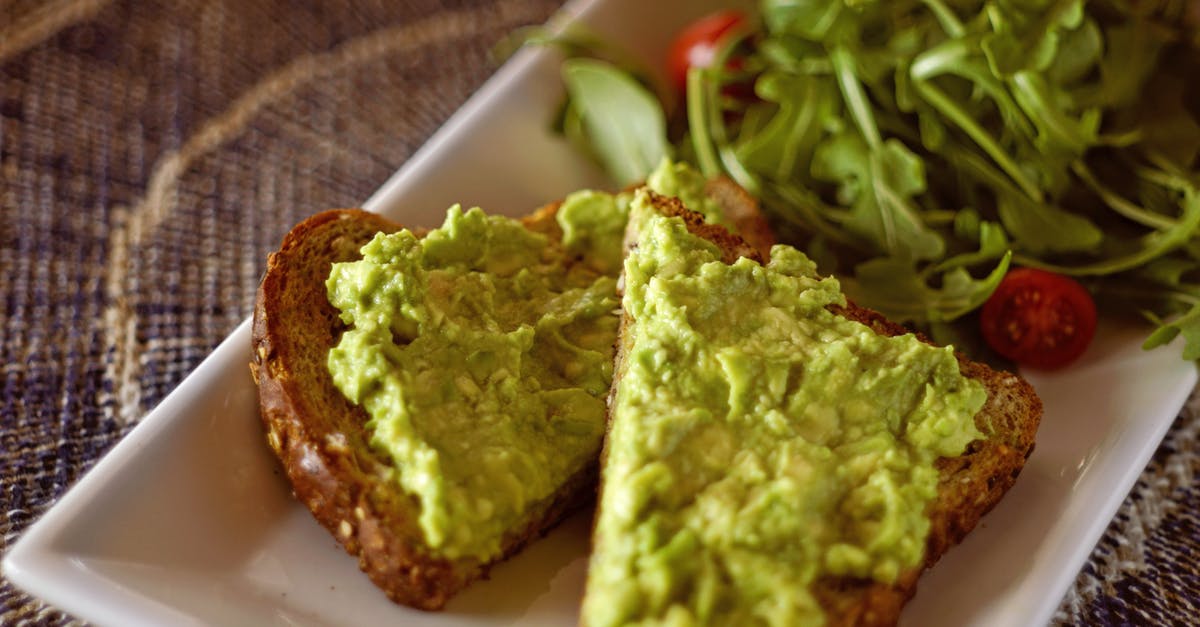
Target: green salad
924 149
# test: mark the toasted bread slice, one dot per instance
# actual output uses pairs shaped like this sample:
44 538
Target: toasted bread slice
320 437
968 485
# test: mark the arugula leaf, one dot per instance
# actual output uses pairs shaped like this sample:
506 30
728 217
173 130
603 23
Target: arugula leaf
878 186
1149 247
1169 110
952 111
993 244
784 147
1043 228
1168 271
1058 131
1079 52
624 121
920 141
852 93
895 288
1132 55
1026 34
812 19
1188 325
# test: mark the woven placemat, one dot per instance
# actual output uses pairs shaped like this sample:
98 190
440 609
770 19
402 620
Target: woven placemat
153 153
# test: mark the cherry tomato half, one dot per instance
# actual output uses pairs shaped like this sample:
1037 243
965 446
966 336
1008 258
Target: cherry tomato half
1039 318
697 45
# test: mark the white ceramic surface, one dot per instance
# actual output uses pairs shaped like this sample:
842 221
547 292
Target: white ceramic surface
188 521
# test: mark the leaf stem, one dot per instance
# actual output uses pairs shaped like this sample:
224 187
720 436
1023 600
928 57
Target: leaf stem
699 120
1119 204
940 101
945 17
855 97
1156 244
807 204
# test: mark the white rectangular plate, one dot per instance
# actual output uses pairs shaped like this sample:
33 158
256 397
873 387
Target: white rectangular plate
188 520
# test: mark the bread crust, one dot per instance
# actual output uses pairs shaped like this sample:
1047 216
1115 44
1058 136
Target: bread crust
969 485
742 210
319 436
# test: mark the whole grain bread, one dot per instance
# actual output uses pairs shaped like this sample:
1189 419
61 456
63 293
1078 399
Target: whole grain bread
319 435
969 485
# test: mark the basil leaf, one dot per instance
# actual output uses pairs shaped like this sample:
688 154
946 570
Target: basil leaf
624 121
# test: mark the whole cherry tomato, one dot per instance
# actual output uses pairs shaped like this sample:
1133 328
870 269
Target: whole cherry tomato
697 44
1039 319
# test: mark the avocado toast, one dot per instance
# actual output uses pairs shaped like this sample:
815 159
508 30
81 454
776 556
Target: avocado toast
322 437
357 400
776 454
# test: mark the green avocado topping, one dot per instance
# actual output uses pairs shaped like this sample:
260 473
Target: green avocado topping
593 225
483 365
483 355
759 441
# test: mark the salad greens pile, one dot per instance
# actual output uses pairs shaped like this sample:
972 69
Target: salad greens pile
918 148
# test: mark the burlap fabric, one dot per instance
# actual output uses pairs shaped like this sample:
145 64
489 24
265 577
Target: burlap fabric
152 153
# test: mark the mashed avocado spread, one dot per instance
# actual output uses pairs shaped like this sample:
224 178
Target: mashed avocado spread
759 442
483 355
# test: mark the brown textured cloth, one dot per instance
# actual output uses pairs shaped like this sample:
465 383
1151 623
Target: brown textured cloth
152 153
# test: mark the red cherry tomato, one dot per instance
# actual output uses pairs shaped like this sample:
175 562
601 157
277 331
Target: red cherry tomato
1039 318
697 44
